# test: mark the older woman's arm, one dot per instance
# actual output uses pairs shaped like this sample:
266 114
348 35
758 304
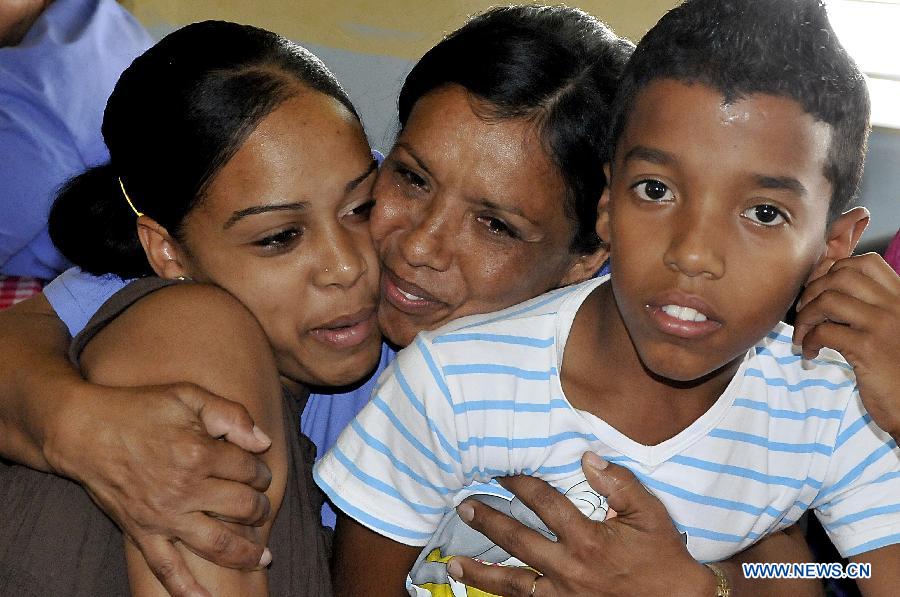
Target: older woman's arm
202 335
638 552
51 419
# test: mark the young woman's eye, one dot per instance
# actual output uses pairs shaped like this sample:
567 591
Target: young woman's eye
409 177
362 210
653 190
279 240
498 226
765 215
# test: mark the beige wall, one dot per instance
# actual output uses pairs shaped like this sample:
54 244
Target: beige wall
398 28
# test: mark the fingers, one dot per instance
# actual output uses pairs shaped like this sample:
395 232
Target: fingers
223 418
524 543
509 581
835 307
624 493
840 337
556 510
868 277
231 502
232 546
169 567
229 462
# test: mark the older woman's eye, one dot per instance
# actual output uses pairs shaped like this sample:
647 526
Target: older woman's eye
409 177
280 240
498 226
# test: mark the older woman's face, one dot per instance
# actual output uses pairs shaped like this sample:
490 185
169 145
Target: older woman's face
469 217
284 228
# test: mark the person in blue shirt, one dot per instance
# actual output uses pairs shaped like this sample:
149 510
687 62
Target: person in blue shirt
58 64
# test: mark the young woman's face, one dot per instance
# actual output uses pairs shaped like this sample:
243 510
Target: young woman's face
469 217
284 228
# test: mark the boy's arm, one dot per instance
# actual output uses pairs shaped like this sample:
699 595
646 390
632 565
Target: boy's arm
393 473
788 545
885 578
51 419
181 338
855 309
366 563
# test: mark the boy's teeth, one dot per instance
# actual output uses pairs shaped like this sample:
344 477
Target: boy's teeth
683 313
411 297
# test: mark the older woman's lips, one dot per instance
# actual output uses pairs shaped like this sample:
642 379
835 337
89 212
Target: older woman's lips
347 331
407 297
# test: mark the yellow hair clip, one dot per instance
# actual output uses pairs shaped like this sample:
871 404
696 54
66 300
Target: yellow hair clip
128 199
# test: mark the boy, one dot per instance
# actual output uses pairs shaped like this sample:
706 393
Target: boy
739 141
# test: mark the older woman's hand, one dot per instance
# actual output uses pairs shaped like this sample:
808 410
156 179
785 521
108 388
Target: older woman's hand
855 309
151 459
638 552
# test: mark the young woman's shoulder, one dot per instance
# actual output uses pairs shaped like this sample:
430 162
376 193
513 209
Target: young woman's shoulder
185 332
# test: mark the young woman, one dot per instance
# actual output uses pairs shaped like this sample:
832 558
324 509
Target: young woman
224 139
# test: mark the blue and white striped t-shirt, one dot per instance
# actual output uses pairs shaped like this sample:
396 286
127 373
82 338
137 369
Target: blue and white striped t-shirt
481 398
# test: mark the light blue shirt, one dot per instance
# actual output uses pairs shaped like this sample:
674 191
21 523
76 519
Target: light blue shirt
53 90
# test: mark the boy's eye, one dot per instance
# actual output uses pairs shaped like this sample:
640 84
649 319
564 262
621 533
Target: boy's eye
497 226
766 215
279 240
652 190
362 210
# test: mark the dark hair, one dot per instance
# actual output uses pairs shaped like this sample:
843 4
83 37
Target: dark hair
174 119
785 48
555 66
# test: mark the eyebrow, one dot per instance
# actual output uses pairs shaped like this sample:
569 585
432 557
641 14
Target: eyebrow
373 166
513 209
261 209
648 154
484 202
295 206
657 156
418 160
787 183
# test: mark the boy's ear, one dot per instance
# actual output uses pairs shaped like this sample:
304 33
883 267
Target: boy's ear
841 239
163 252
603 209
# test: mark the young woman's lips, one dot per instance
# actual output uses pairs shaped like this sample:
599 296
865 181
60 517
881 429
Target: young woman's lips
407 297
684 316
347 331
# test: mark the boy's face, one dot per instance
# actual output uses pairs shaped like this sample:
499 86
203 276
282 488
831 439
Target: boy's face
716 215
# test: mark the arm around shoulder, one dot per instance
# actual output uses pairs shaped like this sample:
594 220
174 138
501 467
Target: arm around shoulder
198 334
37 384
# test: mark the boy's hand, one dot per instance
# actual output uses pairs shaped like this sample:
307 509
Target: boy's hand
150 459
637 552
855 309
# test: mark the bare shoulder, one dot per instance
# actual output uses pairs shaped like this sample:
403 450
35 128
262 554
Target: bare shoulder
188 332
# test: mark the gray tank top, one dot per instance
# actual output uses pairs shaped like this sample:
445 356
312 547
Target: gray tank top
55 541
